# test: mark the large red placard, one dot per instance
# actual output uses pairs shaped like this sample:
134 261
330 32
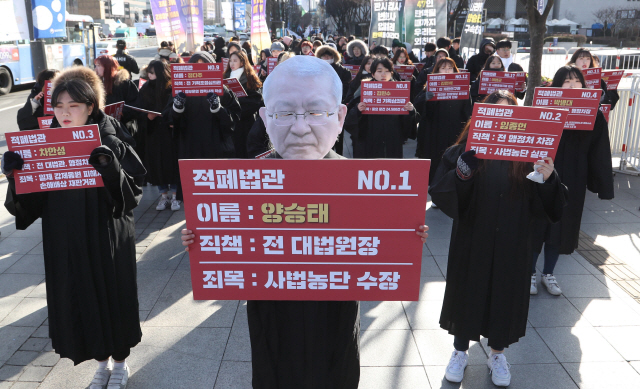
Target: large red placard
448 86
44 122
606 110
235 86
46 99
305 230
386 97
513 133
272 62
196 79
405 71
55 159
521 80
114 110
582 104
225 63
491 81
353 69
592 77
612 78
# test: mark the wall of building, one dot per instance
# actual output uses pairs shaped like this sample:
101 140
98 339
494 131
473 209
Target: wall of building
581 11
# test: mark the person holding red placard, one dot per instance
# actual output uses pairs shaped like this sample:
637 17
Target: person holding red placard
441 122
583 59
34 107
583 161
357 51
402 58
89 239
493 63
381 136
493 206
240 68
422 76
364 73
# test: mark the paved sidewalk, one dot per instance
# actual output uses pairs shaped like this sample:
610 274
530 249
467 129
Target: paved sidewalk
587 338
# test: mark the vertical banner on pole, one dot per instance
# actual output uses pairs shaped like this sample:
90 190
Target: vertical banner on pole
386 21
192 23
240 21
425 22
167 21
260 37
49 19
472 31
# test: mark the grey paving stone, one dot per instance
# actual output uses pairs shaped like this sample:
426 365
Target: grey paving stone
7 260
25 385
34 344
48 358
635 365
475 377
150 284
165 252
7 304
207 343
439 229
432 288
234 375
606 312
586 264
65 375
429 267
625 340
618 216
143 315
31 312
599 205
34 373
28 264
382 315
580 344
22 358
579 286
37 249
398 345
10 373
442 261
380 377
34 231
438 246
556 312
12 245
18 285
6 384
436 346
12 339
603 375
423 314
41 332
527 350
599 229
239 347
589 217
566 265
39 291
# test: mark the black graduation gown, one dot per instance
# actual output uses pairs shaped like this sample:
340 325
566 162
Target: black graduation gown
124 89
305 344
489 271
583 162
608 96
379 136
441 122
201 134
257 139
89 258
250 106
27 118
160 152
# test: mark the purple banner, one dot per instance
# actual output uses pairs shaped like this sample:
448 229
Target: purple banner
167 21
192 21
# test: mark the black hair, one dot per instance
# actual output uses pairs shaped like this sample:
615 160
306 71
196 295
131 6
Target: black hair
45 75
456 40
487 63
78 62
233 44
384 61
581 52
443 42
164 44
380 50
121 44
80 91
565 72
503 43
360 76
430 47
162 71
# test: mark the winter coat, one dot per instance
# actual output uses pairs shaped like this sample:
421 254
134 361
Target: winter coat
364 51
220 49
124 89
583 161
489 271
341 71
608 96
263 64
27 115
127 62
257 139
475 64
250 106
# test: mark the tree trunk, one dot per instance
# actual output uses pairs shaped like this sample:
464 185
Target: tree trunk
537 29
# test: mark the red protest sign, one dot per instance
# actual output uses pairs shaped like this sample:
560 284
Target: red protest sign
353 69
419 66
186 58
612 78
514 133
265 231
142 110
141 81
225 63
44 122
55 159
257 69
196 79
47 91
491 81
582 104
385 97
448 86
521 79
114 110
606 110
272 62
235 86
592 77
405 71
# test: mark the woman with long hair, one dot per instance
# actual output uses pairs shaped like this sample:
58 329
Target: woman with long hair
583 161
247 48
240 69
583 60
441 121
364 73
492 63
34 107
493 206
118 87
88 238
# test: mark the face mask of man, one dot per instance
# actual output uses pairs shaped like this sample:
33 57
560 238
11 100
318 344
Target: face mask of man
329 61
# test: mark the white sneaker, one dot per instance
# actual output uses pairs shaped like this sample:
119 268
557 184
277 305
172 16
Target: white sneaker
499 369
119 378
101 378
534 287
175 203
549 280
456 366
163 203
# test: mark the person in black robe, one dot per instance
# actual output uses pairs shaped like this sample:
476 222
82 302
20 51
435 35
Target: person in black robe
34 107
441 122
583 161
503 50
493 63
264 65
476 63
220 49
445 43
421 80
364 73
493 207
379 136
89 238
583 60
240 69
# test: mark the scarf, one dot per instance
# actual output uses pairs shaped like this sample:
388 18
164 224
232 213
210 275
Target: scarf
237 73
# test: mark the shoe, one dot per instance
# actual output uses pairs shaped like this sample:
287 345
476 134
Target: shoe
534 287
175 203
119 378
549 280
163 203
456 366
499 369
101 378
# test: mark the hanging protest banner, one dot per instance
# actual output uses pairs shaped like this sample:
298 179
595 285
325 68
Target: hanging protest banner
612 78
114 110
353 69
55 159
386 21
266 231
405 71
592 77
472 30
386 97
167 22
606 110
196 79
44 122
239 22
582 104
491 81
448 86
235 86
513 133
425 22
49 19
47 91
260 37
192 21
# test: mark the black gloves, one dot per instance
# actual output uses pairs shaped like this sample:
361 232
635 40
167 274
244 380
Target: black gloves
11 160
214 101
94 158
179 100
467 163
428 95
